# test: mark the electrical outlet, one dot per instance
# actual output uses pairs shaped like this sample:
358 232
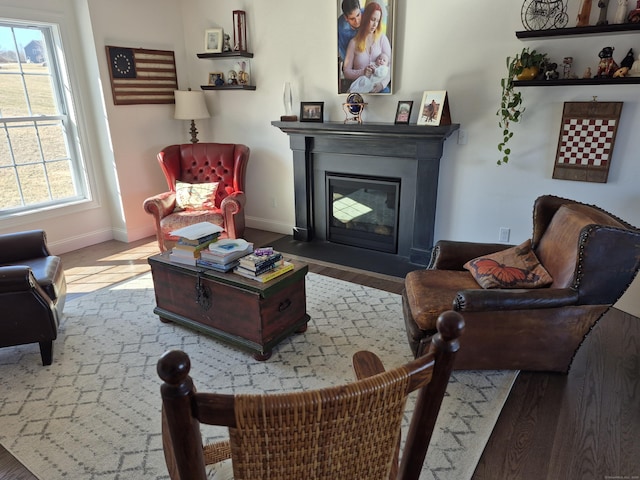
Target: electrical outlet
462 137
504 234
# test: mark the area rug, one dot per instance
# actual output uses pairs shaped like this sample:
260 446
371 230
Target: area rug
94 413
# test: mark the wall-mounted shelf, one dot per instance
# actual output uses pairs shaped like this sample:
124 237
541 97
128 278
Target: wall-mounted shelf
577 31
228 87
226 55
577 81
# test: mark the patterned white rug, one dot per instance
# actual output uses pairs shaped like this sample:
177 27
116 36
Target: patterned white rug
94 413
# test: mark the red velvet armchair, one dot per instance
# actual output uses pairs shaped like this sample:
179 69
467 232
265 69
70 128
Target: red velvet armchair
224 163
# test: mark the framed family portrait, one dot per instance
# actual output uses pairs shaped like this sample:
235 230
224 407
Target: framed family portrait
366 31
403 112
213 40
311 111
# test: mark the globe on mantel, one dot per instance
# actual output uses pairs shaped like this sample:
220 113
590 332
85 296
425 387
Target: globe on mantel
353 108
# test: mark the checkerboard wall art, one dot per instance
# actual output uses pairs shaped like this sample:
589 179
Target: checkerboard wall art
585 145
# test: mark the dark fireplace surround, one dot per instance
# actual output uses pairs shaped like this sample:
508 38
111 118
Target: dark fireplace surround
410 153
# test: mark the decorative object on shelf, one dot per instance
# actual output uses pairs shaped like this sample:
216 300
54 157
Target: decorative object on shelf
634 15
232 77
191 105
544 14
567 62
511 108
226 45
635 68
312 112
587 73
621 12
239 30
607 66
360 48
216 78
129 88
550 71
585 144
353 108
603 5
213 40
584 13
243 75
403 112
434 109
287 100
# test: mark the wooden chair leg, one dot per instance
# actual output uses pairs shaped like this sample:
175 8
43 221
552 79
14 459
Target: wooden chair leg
46 352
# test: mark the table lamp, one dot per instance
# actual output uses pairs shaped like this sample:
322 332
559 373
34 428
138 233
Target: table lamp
190 105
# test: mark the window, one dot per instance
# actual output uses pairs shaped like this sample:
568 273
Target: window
40 162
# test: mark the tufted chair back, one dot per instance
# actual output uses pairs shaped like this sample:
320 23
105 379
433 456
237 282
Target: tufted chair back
223 163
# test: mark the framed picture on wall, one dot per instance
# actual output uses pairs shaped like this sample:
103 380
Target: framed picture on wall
365 46
213 40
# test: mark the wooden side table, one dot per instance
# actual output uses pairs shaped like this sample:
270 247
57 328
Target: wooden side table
229 307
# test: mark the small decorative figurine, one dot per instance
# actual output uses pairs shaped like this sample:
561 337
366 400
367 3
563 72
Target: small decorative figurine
621 11
634 71
226 47
566 67
243 76
218 81
232 77
587 73
584 14
603 5
607 65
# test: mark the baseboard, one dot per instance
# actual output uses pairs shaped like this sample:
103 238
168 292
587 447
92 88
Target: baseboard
268 225
80 241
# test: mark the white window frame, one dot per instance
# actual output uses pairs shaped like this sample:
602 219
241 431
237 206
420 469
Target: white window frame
66 101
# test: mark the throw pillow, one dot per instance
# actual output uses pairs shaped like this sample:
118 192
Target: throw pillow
195 196
515 267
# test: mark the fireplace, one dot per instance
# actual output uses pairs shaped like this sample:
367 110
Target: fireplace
362 211
393 168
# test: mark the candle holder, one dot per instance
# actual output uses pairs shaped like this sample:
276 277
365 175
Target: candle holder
239 31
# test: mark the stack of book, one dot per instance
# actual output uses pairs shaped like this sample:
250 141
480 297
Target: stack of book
223 255
263 265
192 241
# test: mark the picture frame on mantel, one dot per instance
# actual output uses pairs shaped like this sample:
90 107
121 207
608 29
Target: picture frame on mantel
434 109
213 40
312 112
360 69
403 112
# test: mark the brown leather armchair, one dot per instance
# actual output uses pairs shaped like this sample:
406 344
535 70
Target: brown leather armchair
592 257
32 292
224 163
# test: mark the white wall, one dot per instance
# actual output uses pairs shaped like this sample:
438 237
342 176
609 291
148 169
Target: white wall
452 45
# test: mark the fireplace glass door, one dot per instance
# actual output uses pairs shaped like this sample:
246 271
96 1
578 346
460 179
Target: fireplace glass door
363 211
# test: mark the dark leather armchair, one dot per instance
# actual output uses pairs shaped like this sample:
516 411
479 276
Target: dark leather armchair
32 292
224 163
592 256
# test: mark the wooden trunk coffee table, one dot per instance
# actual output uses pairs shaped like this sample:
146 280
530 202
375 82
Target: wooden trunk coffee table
253 315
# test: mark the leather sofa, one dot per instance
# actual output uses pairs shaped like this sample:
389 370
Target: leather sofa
592 257
32 292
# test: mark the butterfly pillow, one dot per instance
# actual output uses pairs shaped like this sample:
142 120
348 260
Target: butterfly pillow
515 267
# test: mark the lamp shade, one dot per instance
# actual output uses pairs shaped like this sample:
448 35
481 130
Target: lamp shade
190 105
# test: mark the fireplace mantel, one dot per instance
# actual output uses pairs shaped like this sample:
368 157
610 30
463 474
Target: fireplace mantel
412 152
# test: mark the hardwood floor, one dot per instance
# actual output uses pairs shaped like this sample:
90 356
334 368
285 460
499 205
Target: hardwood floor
578 426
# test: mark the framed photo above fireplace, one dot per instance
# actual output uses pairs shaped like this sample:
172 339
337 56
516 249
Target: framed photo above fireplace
312 111
366 31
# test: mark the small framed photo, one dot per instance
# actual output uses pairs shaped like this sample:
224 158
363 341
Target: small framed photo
434 109
403 113
213 40
311 111
216 78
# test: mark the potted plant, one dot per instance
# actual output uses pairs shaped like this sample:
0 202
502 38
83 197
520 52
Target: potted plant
524 66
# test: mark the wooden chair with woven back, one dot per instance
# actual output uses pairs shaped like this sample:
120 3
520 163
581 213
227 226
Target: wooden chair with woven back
349 431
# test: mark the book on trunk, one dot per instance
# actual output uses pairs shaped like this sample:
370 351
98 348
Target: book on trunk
279 269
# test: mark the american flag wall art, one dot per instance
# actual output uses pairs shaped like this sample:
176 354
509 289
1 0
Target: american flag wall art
140 76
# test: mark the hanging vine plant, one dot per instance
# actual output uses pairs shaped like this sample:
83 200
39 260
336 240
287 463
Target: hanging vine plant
524 66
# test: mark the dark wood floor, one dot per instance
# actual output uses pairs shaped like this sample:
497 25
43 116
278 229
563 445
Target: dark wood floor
580 426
